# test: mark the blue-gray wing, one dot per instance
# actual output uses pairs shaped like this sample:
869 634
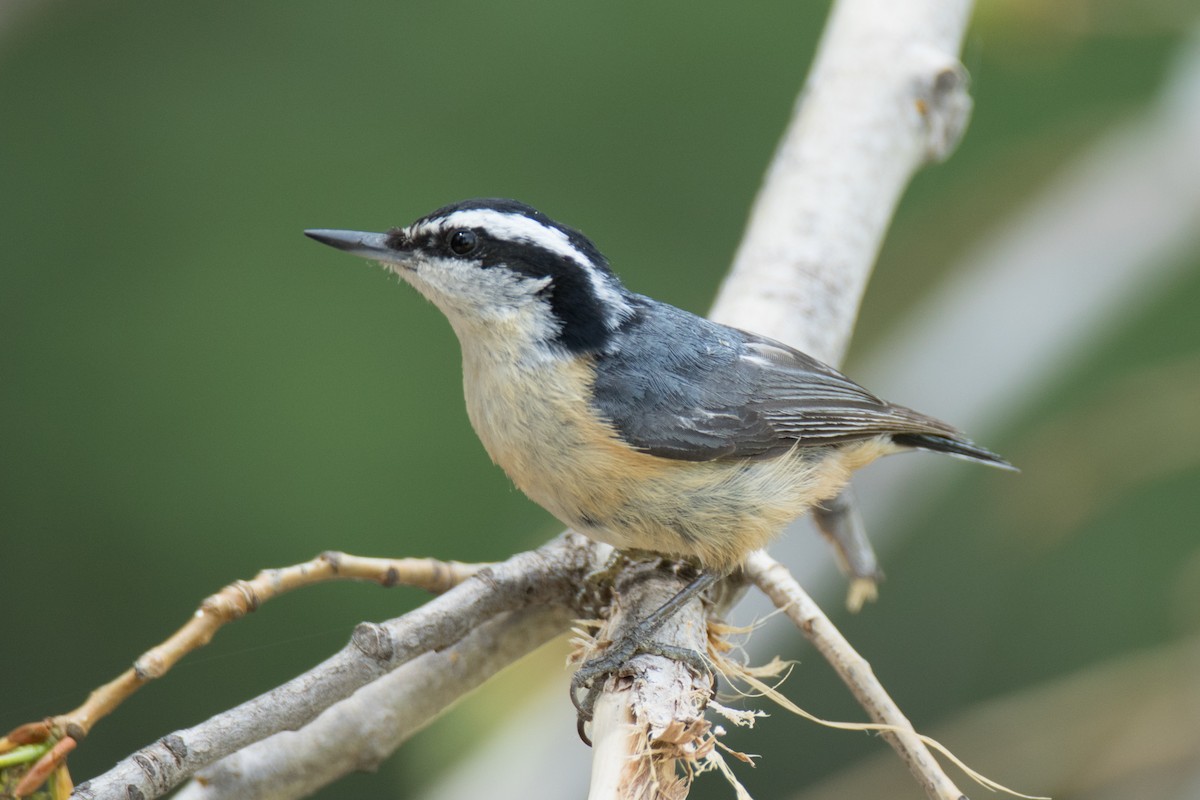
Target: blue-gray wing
683 387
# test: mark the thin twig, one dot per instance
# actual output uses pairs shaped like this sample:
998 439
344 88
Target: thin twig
777 583
242 597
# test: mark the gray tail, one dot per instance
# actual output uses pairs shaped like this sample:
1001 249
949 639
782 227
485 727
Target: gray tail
962 448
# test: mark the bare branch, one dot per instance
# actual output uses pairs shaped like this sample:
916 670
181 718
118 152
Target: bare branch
777 583
353 734
547 576
650 696
886 95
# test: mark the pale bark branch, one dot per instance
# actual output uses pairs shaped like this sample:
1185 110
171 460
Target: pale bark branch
548 576
358 733
651 695
885 96
777 583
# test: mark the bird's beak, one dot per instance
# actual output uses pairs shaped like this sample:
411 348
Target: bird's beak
367 245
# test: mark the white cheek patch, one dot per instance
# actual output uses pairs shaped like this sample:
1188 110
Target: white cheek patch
465 290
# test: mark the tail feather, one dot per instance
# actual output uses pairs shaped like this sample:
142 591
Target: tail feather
955 446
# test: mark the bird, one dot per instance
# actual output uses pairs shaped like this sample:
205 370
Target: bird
632 421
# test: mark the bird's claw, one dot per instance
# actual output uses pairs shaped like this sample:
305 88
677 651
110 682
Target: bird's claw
591 673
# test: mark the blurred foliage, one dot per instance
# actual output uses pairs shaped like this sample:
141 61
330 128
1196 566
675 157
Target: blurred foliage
190 390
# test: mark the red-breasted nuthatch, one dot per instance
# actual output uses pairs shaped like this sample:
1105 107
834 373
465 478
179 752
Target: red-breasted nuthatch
630 420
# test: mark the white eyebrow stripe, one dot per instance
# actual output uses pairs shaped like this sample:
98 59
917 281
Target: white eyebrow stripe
513 228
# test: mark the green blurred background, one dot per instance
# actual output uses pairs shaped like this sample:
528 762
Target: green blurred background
190 390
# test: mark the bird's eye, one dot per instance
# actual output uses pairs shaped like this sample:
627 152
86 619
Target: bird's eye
463 241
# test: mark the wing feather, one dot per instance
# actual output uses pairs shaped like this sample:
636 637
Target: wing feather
721 393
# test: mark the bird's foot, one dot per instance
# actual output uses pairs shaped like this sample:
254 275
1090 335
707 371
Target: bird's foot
591 676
